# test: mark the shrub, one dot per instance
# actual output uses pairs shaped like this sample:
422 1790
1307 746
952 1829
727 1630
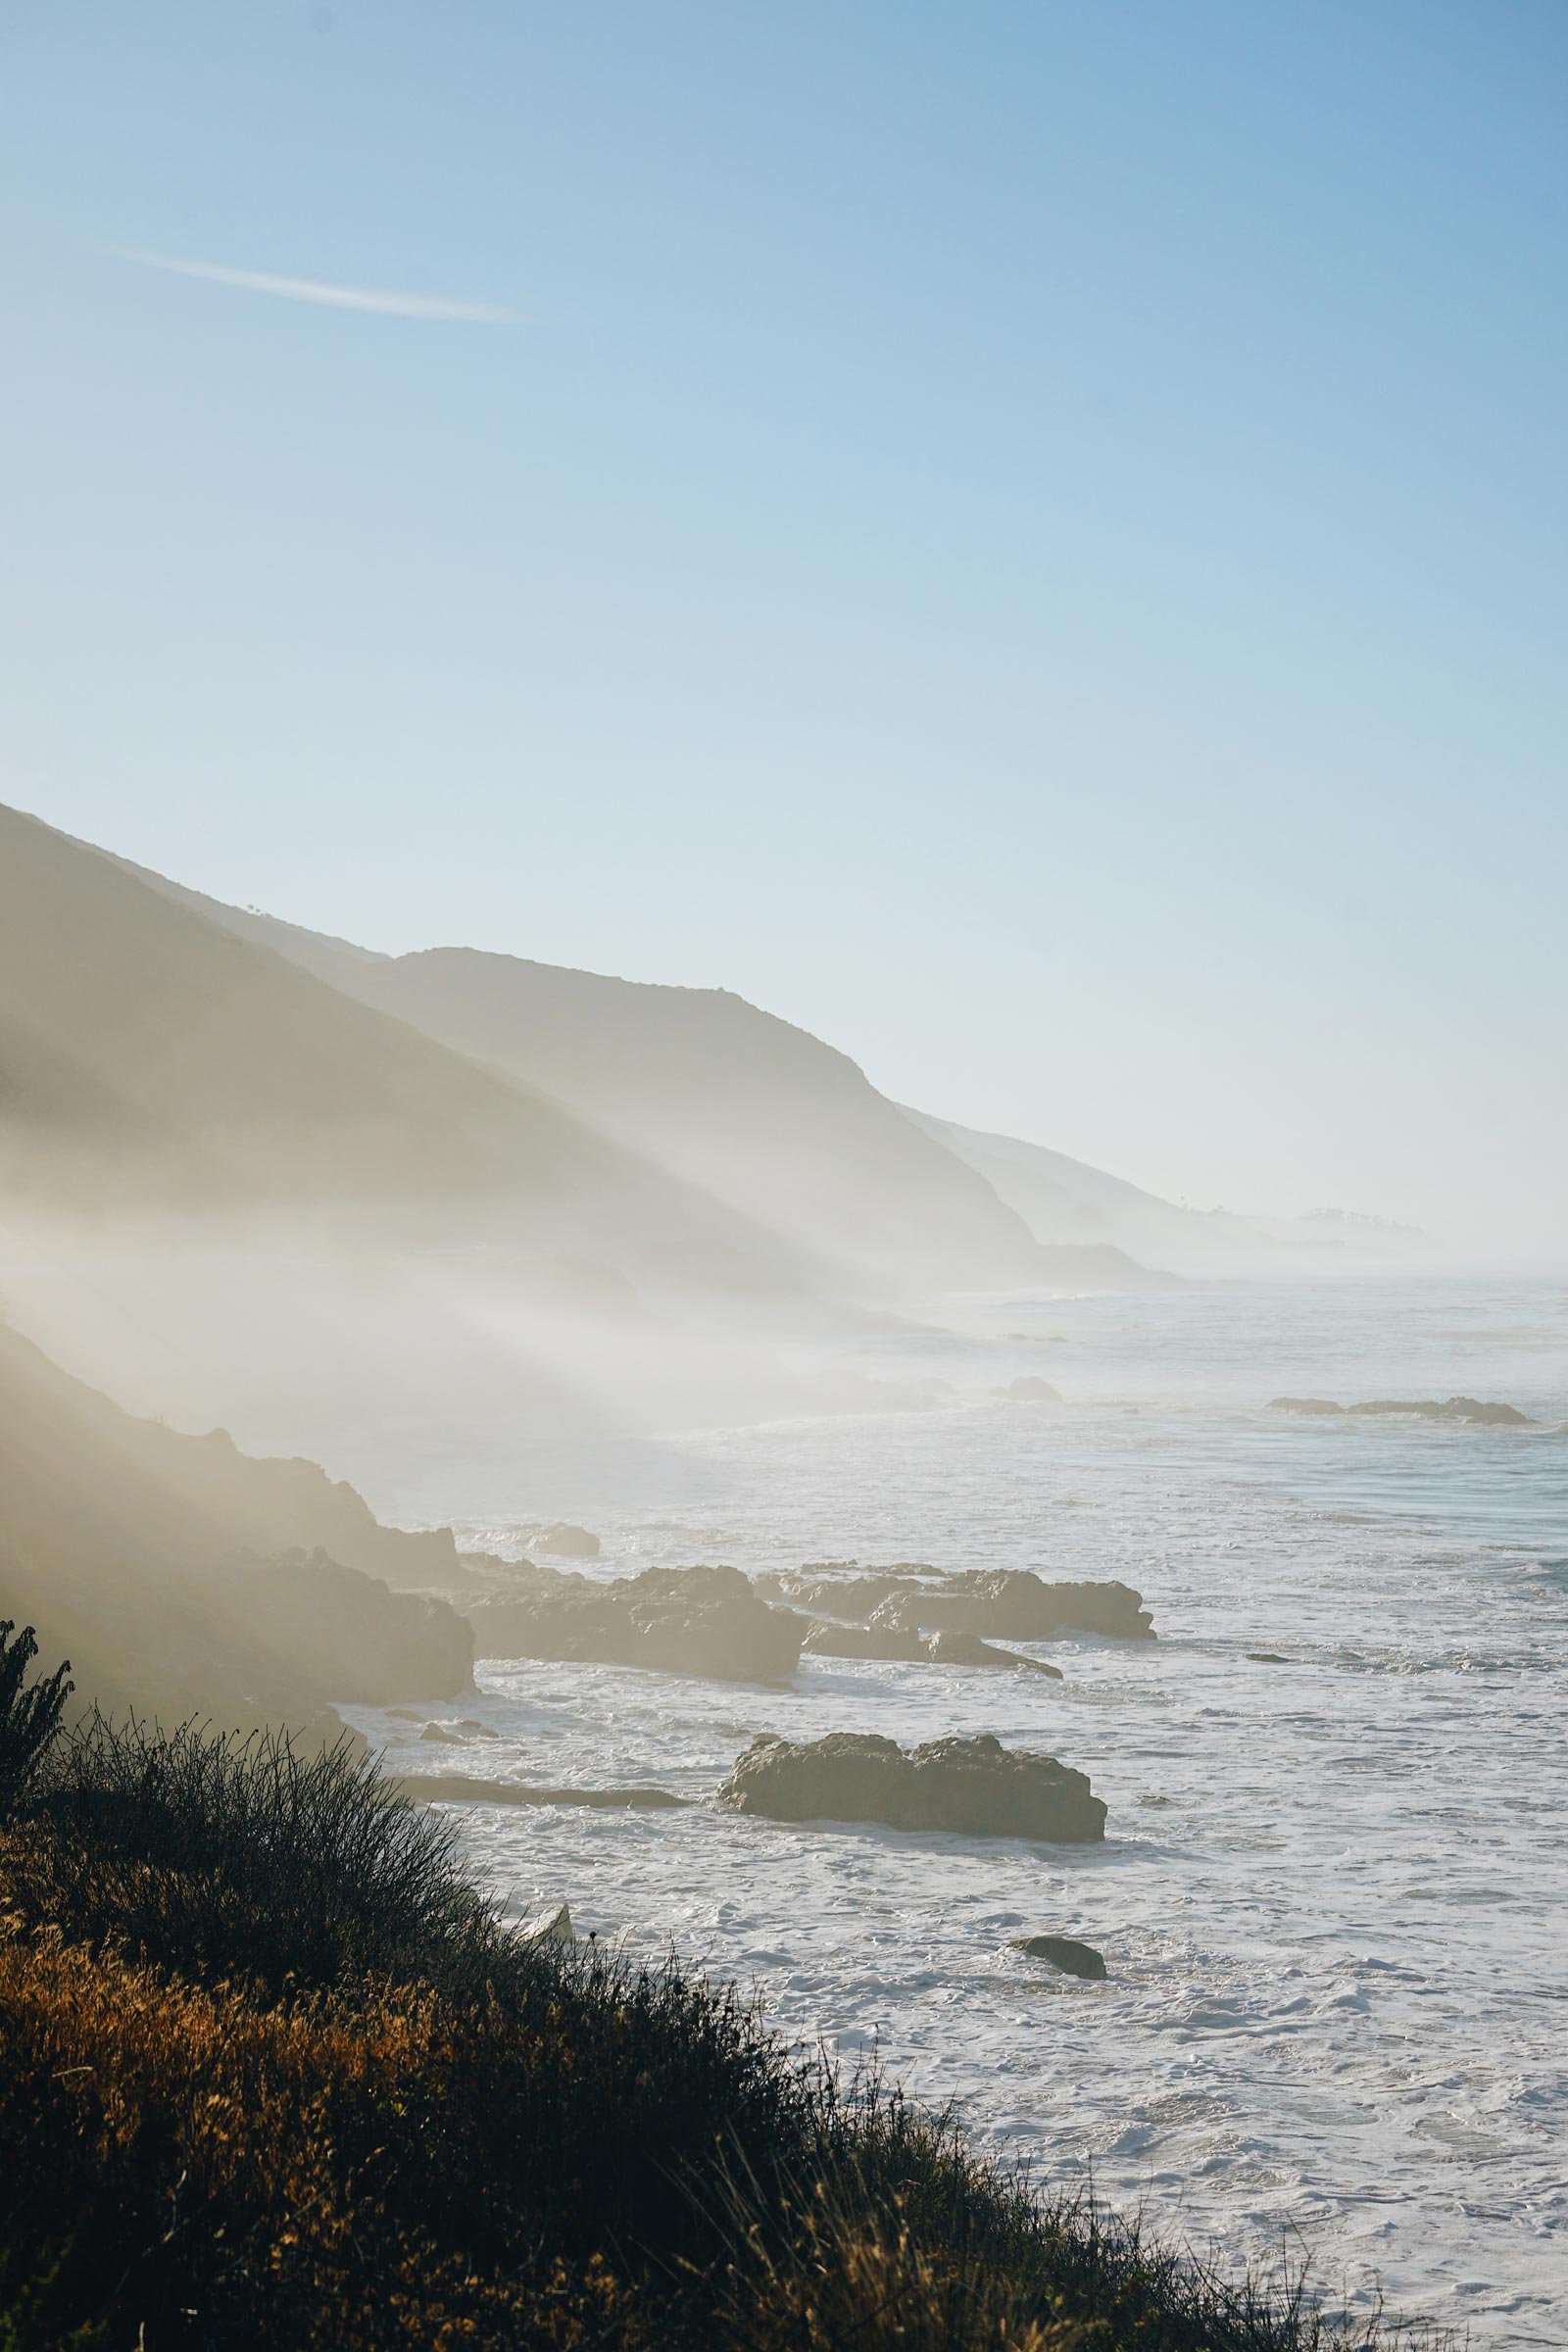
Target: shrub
229 1856
29 1716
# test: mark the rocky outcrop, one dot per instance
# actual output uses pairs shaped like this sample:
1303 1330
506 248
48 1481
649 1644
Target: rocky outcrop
974 1787
1028 1389
1473 1411
367 1643
705 1620
849 1595
1018 1606
1065 1952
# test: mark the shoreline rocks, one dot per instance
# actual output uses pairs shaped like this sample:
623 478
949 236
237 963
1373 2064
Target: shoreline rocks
970 1788
704 1621
1474 1412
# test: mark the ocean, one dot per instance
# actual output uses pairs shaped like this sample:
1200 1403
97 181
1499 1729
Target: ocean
1333 1895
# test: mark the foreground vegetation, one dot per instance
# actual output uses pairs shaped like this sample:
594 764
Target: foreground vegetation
271 2075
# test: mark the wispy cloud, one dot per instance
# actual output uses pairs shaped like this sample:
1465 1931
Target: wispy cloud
318 290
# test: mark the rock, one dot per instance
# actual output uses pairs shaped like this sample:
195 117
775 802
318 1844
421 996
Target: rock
1065 1952
438 1733
968 1650
1470 1409
458 1788
1267 1658
1019 1607
569 1542
1474 1411
549 1927
863 1642
902 1643
705 1621
1029 1389
851 1596
975 1787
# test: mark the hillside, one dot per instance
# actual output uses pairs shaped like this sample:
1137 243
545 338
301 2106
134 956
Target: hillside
181 1576
762 1116
152 1060
1064 1200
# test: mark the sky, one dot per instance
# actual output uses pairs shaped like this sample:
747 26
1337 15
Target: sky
1026 538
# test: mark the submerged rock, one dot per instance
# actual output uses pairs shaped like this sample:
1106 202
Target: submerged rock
1029 1389
975 1787
705 1621
968 1650
1065 1952
1304 1405
458 1788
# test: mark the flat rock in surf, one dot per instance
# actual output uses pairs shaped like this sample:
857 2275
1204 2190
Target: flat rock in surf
904 1645
972 1788
455 1788
705 1621
1011 1603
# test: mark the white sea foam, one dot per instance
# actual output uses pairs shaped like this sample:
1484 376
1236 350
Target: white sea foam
1332 1896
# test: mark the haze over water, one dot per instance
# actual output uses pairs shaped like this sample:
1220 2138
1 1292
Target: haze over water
1331 1895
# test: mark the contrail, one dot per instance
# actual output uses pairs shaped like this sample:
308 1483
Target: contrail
317 290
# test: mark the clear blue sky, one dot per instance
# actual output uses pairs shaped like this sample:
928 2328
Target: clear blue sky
1027 538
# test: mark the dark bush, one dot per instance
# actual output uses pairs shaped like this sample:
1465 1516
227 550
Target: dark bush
29 1714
